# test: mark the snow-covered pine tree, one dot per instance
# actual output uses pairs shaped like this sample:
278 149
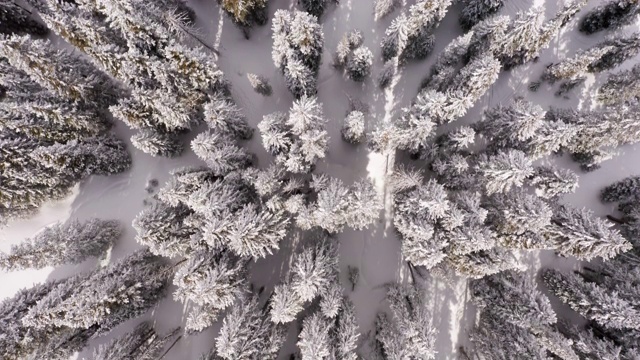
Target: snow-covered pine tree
359 64
382 8
59 71
63 243
22 341
353 128
349 42
551 181
620 87
162 228
499 340
578 233
314 340
247 333
260 84
592 301
477 264
156 143
505 170
314 7
17 20
447 63
514 298
220 153
610 15
511 126
223 115
313 270
297 50
467 229
520 37
623 47
475 11
622 190
246 13
107 297
386 74
520 219
410 332
142 343
211 279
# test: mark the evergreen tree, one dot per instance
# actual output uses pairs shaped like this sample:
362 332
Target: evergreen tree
260 84
382 8
610 15
297 49
592 301
247 333
347 44
211 280
17 20
59 71
314 7
621 87
223 115
359 64
353 128
513 298
108 297
386 75
474 11
246 13
143 343
314 340
578 233
622 190
162 228
447 63
493 339
220 153
156 143
21 341
505 170
551 182
63 243
411 333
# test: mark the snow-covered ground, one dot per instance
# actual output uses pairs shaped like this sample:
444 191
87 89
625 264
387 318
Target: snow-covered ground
375 251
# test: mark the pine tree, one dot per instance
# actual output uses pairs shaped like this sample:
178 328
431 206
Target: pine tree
551 181
411 333
211 279
359 64
386 75
520 219
348 43
592 301
107 297
610 15
161 227
477 264
505 170
314 7
353 128
297 50
21 341
223 115
247 333
510 126
382 8
157 144
578 233
220 153
493 339
143 343
622 190
620 87
256 232
474 11
285 304
245 13
63 243
59 71
447 63
514 298
16 20
260 84
472 233
314 340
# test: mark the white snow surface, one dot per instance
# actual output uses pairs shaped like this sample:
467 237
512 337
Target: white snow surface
375 251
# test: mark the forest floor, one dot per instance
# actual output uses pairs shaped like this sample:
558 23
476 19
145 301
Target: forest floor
375 251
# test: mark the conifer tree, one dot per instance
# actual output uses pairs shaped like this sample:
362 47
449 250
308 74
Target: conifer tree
447 63
246 13
354 126
107 297
382 8
162 228
143 343
359 64
17 20
260 84
63 243
577 232
505 170
611 15
551 181
410 332
220 153
297 50
314 7
314 339
223 115
475 11
211 279
592 301
157 144
493 339
513 298
622 190
247 333
621 86
347 44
